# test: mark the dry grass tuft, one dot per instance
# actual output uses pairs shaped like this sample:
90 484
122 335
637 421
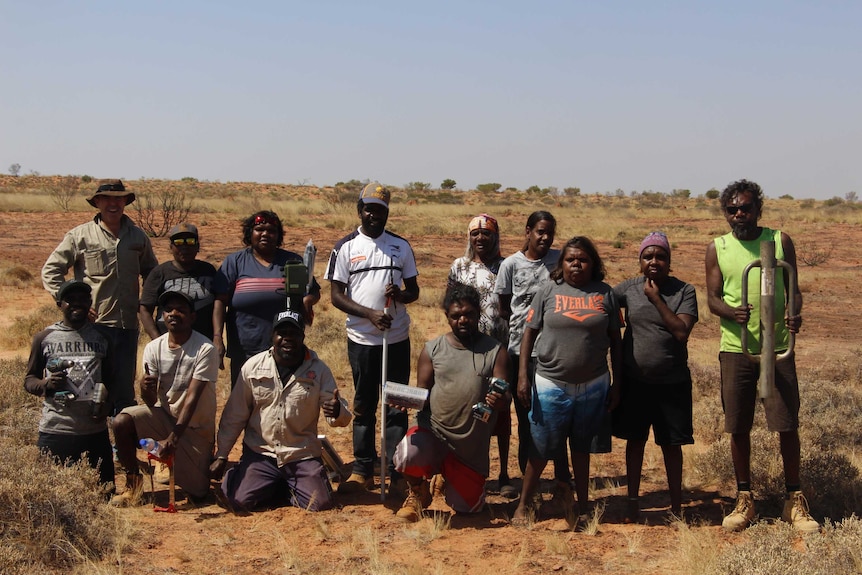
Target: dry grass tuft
16 275
20 333
776 550
53 517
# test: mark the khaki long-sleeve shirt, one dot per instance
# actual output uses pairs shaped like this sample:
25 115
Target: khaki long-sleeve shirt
280 421
111 265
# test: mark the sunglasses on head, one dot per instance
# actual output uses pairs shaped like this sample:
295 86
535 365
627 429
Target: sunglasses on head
185 241
258 220
744 208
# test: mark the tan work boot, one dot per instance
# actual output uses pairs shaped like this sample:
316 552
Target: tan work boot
438 486
418 498
796 513
132 495
742 515
356 483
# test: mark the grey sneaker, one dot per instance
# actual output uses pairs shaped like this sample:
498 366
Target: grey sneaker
742 515
796 513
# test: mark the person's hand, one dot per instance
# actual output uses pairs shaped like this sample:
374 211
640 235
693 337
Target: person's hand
332 407
92 315
309 312
394 292
380 319
524 392
497 401
54 382
218 344
651 290
793 323
613 396
217 469
742 314
168 447
149 386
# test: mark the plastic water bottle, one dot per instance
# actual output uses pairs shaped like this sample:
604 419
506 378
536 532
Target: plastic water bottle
149 444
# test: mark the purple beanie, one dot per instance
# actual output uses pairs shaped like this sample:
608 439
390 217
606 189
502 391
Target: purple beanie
655 239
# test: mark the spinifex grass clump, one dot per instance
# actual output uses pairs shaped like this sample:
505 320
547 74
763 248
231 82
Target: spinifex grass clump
53 517
830 428
773 550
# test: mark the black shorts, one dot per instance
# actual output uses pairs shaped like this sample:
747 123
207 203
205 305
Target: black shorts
739 377
664 407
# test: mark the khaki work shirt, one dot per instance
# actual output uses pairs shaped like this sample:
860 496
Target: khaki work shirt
280 421
110 265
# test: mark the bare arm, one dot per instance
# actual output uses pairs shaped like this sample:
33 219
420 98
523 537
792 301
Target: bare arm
409 294
341 301
501 371
793 317
679 325
715 291
193 395
528 340
219 306
145 314
424 371
505 305
616 352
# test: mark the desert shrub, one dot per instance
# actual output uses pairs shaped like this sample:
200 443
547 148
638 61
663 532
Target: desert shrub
21 332
843 404
15 275
490 187
775 550
53 516
812 254
64 191
830 480
712 194
158 212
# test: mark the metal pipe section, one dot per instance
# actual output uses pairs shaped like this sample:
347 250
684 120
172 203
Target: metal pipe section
767 356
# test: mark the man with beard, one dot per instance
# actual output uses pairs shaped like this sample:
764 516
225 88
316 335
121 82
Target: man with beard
277 401
68 361
726 257
449 441
367 269
186 273
178 388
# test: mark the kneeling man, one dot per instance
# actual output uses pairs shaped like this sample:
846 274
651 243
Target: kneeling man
178 388
450 441
277 401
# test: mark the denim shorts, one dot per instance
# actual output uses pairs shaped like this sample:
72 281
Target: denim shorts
576 412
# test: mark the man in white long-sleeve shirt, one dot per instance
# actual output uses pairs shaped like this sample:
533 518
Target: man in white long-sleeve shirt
277 401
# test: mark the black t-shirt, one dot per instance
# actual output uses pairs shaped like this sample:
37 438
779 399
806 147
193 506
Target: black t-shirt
198 283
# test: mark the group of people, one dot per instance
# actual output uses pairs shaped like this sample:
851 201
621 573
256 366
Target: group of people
540 329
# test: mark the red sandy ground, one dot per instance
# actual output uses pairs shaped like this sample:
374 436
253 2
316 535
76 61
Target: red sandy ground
362 536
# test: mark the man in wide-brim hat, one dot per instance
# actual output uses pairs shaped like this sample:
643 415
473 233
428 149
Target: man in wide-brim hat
110 254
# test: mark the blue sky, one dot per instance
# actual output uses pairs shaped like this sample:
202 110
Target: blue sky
599 95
